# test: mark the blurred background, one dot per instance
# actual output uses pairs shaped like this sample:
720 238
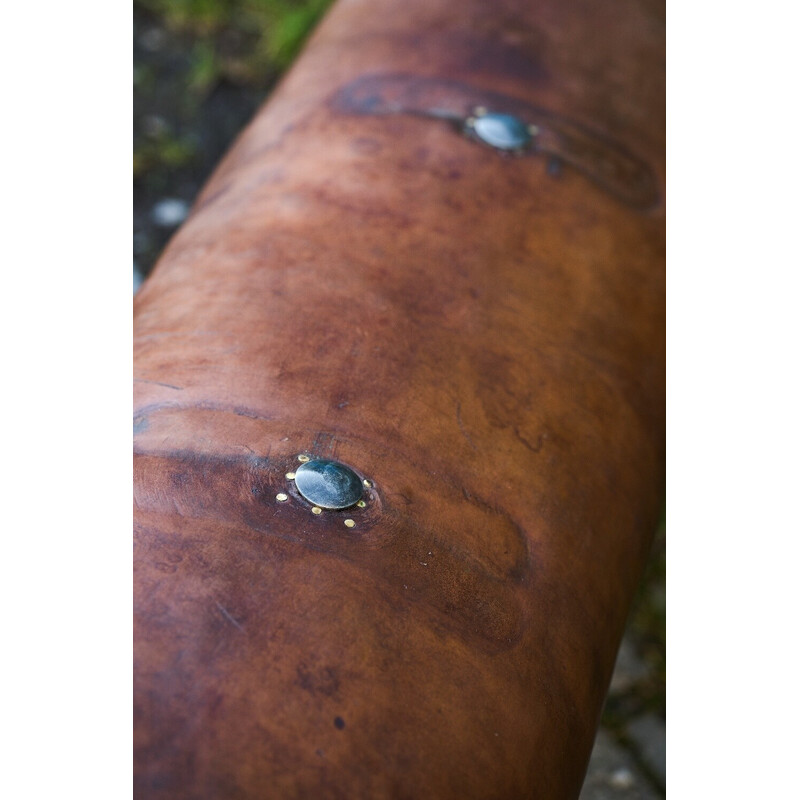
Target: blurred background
201 69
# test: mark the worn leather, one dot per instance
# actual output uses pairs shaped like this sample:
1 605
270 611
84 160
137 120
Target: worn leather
480 336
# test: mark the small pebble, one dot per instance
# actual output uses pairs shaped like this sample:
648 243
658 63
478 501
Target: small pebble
170 212
649 737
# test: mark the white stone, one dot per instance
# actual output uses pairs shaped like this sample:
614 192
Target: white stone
169 212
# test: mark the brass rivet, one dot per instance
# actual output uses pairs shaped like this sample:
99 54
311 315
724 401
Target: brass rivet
361 504
281 497
367 483
290 475
316 510
349 523
303 458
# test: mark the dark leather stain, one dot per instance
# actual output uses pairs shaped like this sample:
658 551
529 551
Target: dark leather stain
465 589
607 163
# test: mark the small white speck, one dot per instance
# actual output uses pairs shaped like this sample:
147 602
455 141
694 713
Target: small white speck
170 212
621 778
424 563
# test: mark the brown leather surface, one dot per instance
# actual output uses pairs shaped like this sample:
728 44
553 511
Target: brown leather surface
480 336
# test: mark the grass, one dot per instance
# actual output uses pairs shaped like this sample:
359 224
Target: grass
241 40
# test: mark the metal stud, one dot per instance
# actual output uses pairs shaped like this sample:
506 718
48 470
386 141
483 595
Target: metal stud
304 458
350 523
316 510
501 131
328 484
290 476
281 497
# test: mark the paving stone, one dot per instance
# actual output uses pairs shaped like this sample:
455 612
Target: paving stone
613 774
629 669
649 736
